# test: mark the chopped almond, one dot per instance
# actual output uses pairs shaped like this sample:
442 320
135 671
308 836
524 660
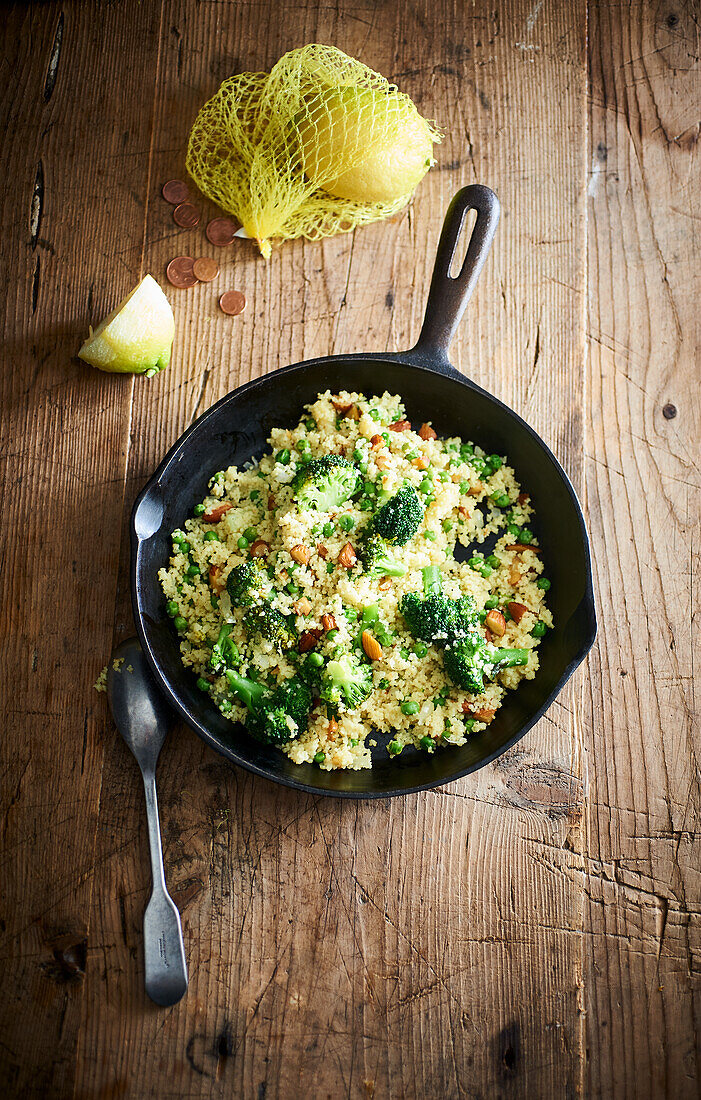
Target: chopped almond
373 649
484 714
215 581
301 553
284 576
455 478
400 426
329 623
308 639
347 557
333 725
523 498
375 440
463 511
476 489
421 463
382 462
216 513
427 432
495 622
302 606
514 575
385 584
259 549
321 550
271 502
520 546
517 611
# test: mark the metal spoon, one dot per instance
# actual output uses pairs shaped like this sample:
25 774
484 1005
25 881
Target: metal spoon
142 718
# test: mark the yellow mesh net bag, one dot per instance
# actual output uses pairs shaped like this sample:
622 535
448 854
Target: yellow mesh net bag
320 145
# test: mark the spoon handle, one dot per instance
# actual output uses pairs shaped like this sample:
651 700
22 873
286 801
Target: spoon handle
164 952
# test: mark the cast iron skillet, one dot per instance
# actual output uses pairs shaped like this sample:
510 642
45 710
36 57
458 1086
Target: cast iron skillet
236 428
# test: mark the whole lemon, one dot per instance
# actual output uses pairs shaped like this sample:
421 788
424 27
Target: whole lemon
364 144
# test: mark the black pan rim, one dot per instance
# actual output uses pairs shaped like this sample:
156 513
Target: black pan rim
415 359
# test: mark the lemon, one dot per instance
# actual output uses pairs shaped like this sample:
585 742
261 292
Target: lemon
365 145
137 336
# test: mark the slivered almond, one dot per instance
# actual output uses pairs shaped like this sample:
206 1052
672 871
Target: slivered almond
215 581
421 463
302 606
495 622
301 553
333 725
271 502
347 557
427 432
385 584
284 576
520 546
517 611
328 622
216 513
373 649
514 575
382 462
259 549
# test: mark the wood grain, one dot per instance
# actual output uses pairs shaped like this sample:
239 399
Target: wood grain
531 930
641 877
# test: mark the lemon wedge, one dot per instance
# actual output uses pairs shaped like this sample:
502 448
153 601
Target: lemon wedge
137 336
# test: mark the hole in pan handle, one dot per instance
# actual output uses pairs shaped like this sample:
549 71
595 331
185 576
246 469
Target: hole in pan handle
448 296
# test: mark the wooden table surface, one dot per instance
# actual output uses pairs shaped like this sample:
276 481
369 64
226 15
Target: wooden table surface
532 930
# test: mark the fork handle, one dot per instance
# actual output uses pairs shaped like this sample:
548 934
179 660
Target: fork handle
164 951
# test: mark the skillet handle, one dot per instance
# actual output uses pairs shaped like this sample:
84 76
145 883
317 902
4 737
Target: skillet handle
449 295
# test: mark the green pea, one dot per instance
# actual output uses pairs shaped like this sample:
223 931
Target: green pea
464 487
429 499
172 608
543 583
495 461
199 510
219 477
184 547
192 570
319 757
491 603
394 748
327 529
539 630
374 413
310 424
447 525
475 563
426 485
330 567
363 465
254 494
526 535
369 487
442 476
404 654
420 649
409 707
430 535
358 454
315 660
426 743
203 685
500 499
493 560
486 570
283 457
242 543
251 534
347 523
211 536
291 588
351 614
466 450
226 706
513 529
332 635
179 623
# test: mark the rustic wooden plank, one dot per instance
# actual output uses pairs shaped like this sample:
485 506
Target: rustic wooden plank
643 941
71 212
423 947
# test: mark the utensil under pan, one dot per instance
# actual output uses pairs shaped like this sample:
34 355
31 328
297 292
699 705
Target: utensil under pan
236 428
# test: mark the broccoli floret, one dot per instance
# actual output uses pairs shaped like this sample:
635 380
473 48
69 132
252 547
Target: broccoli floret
469 660
224 652
373 552
324 483
265 621
400 518
437 618
274 716
346 680
247 584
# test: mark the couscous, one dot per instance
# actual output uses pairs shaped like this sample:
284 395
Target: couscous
318 598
